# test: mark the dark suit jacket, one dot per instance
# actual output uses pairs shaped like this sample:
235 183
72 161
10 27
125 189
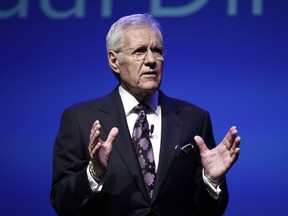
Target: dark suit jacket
179 189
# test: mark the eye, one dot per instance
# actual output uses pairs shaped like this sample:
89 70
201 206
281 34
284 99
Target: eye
140 50
158 50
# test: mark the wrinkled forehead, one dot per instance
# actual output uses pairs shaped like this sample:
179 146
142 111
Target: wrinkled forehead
140 35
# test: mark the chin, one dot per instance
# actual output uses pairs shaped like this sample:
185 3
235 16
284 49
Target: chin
151 87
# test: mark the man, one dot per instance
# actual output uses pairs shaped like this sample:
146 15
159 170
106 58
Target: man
97 168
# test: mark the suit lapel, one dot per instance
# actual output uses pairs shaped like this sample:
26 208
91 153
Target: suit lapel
114 116
172 127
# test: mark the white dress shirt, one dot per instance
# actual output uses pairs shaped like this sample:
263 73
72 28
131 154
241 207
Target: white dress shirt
153 118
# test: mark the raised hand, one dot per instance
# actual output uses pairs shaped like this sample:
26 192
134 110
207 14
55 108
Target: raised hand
217 161
100 150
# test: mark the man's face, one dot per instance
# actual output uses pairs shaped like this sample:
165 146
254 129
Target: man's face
140 62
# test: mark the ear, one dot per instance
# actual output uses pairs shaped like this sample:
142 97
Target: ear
113 61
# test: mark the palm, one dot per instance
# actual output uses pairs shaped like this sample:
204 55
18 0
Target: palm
100 150
217 161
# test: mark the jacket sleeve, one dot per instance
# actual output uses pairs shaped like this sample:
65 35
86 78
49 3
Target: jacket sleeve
205 203
70 187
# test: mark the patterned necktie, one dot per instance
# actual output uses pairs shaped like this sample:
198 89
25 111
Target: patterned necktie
143 147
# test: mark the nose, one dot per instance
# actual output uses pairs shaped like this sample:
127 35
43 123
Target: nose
150 58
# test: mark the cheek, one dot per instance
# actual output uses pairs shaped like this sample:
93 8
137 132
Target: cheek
130 76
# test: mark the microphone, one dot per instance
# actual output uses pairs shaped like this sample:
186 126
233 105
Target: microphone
151 130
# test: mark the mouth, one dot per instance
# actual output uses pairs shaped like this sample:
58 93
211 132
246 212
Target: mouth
149 73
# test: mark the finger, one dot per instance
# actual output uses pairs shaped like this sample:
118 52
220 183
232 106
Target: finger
94 138
112 136
230 137
96 126
235 147
235 155
96 148
201 144
94 134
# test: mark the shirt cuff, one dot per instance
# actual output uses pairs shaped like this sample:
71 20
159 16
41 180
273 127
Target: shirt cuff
95 187
213 189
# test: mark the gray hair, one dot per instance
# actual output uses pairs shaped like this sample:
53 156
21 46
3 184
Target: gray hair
115 34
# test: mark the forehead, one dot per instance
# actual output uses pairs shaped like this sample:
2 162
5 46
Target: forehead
140 35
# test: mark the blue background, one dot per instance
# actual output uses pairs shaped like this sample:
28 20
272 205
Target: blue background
234 65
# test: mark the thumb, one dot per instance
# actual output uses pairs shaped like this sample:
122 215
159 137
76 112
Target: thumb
201 144
112 135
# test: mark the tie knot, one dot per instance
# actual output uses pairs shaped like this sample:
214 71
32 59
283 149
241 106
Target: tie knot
141 107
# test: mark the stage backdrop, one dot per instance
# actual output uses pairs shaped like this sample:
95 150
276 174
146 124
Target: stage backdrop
227 56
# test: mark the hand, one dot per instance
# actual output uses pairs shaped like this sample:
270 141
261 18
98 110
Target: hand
99 150
217 161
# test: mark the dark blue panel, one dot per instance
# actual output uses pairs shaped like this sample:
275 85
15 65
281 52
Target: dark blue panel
229 57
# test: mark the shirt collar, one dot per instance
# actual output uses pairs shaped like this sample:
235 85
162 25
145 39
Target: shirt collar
129 101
